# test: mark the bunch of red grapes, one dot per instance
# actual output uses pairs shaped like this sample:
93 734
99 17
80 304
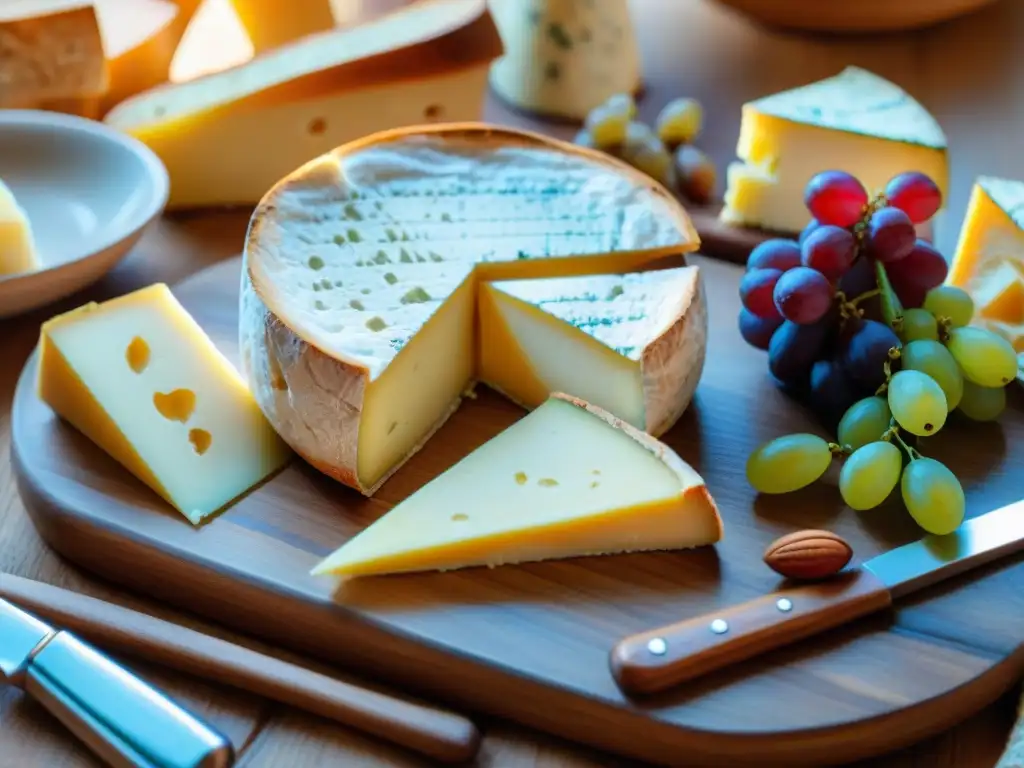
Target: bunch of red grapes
814 305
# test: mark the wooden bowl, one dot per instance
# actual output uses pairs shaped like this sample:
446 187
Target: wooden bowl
853 16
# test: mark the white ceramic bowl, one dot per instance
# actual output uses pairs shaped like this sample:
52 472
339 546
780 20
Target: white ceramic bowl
88 191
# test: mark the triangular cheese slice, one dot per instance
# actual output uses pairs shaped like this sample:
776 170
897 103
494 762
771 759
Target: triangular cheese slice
631 344
17 243
855 122
567 480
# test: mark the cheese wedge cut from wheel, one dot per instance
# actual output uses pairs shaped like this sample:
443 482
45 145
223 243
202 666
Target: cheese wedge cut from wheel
17 243
370 225
631 344
855 122
49 50
271 23
567 480
140 378
259 121
989 258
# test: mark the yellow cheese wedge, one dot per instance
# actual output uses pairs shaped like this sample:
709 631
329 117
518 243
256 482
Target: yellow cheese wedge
855 122
259 121
567 480
390 226
272 23
17 244
631 344
140 379
49 49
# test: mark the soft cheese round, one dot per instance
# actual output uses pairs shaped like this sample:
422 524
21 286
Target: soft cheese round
362 252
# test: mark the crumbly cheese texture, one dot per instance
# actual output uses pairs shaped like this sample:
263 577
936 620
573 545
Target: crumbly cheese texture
564 58
631 344
424 63
49 50
17 244
399 229
855 122
989 258
139 377
567 480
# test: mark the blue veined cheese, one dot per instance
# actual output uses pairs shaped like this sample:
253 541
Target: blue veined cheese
631 344
855 122
436 209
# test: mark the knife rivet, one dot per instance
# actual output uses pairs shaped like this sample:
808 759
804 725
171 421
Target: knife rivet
784 605
657 646
719 626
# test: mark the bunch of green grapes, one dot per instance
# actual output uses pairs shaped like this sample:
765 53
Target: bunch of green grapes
943 364
665 152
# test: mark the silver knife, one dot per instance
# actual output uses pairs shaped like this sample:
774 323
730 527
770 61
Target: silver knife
124 721
661 658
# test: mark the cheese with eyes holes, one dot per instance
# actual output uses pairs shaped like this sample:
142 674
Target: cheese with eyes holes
360 276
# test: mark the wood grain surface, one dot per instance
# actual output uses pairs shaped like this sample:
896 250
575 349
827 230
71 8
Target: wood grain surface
967 72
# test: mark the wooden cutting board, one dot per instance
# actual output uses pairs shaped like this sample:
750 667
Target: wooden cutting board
531 642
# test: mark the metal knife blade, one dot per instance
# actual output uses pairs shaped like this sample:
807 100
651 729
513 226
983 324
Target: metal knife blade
124 721
661 658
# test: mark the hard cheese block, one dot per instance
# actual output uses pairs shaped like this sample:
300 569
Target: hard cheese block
565 57
989 258
17 245
632 344
391 227
140 379
257 122
49 50
271 23
567 480
855 122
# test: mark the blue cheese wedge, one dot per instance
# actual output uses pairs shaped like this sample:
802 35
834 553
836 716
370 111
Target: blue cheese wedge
855 122
631 344
361 268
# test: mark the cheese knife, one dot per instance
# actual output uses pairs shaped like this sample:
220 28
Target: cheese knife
656 660
124 721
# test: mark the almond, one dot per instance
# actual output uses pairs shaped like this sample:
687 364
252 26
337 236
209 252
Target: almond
808 555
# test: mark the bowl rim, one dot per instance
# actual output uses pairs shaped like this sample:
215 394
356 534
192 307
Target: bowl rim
158 184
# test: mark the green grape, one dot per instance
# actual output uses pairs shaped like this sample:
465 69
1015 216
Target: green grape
933 496
864 422
870 474
644 151
679 121
985 358
917 402
934 359
607 123
918 324
982 403
950 302
788 463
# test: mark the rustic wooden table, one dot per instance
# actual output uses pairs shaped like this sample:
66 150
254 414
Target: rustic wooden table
968 72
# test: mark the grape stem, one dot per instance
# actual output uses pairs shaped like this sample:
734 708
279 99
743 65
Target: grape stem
838 450
893 433
894 354
892 309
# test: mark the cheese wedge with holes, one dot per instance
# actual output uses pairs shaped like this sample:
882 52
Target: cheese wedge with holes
369 225
259 121
17 243
855 122
138 377
567 480
989 258
50 50
632 344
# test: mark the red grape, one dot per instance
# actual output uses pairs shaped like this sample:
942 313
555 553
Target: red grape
830 250
891 235
803 295
835 197
812 225
915 194
757 331
757 289
917 273
776 253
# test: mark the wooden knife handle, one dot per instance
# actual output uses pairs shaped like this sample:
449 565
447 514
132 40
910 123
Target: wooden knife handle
656 660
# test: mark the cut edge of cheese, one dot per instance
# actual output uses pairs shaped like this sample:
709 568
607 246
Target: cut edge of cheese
278 330
18 252
269 28
424 38
992 232
632 344
567 480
